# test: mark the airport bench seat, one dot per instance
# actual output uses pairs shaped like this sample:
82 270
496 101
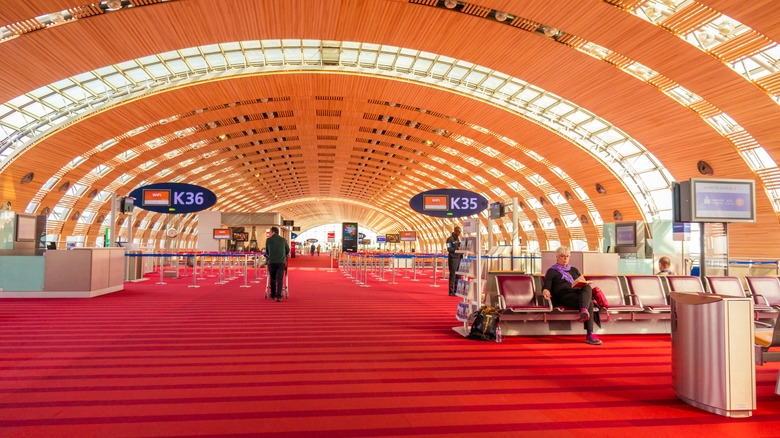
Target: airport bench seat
517 293
765 290
732 286
649 293
610 285
684 283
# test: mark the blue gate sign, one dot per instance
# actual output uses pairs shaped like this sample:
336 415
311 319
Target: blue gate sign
173 198
448 203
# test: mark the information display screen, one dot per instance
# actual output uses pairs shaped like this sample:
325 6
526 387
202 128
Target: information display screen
221 233
625 234
496 210
156 198
436 202
723 200
380 239
392 238
25 228
408 236
349 236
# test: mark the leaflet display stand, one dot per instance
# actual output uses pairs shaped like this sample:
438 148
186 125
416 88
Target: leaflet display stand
470 269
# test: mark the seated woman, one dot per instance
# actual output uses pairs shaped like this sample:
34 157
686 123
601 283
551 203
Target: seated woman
558 287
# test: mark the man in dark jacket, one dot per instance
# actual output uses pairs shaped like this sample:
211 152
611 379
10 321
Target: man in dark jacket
453 258
277 249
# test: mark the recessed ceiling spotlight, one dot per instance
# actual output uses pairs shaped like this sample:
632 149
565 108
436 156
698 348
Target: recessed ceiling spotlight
550 31
450 3
501 16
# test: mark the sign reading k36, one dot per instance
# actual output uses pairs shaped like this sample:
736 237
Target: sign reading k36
448 203
173 198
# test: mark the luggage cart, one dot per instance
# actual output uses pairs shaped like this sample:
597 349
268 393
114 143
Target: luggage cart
285 282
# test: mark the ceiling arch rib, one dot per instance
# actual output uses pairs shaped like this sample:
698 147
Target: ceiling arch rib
577 124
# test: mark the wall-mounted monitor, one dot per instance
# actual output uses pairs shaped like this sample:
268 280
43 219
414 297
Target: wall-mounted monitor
714 200
625 234
408 236
25 228
497 210
222 233
392 238
156 197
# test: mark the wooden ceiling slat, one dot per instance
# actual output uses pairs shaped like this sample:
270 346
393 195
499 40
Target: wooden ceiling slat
689 18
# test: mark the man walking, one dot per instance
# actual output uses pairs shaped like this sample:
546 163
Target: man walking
453 258
277 250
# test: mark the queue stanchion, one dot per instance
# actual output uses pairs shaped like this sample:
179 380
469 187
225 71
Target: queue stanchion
220 272
357 269
435 268
331 262
202 267
211 263
257 268
392 262
194 275
414 268
406 266
246 274
382 268
365 272
443 276
162 271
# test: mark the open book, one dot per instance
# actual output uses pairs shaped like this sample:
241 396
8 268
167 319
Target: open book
580 282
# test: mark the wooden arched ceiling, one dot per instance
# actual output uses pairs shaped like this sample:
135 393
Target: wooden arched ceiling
386 172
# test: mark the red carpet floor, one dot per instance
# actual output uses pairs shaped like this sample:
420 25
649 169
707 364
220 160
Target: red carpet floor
335 360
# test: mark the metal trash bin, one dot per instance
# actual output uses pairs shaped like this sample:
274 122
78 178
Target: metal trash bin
713 359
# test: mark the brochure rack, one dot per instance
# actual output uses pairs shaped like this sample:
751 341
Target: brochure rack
470 285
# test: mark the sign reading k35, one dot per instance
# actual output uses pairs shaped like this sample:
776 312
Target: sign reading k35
448 203
173 198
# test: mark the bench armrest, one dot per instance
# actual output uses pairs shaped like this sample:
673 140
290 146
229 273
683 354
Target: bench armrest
755 296
636 300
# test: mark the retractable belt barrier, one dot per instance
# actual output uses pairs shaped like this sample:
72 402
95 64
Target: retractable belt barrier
361 266
230 265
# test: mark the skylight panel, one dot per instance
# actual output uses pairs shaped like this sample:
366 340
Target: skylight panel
57 101
197 62
15 119
367 58
127 155
440 68
177 66
422 64
137 75
216 60
235 58
117 80
77 93
274 56
96 86
458 73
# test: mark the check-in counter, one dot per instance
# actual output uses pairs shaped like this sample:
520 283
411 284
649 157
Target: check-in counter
84 272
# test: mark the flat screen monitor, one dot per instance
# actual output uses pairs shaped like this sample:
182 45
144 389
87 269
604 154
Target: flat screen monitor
127 205
496 210
51 245
435 202
380 239
240 236
25 228
408 236
392 238
625 234
221 233
723 200
156 198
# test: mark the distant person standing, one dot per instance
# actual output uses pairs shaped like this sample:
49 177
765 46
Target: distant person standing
319 247
664 264
277 250
313 248
453 258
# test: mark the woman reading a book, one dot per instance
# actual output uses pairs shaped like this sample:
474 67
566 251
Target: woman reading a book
565 286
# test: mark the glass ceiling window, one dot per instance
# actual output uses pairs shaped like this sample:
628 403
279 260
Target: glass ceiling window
28 118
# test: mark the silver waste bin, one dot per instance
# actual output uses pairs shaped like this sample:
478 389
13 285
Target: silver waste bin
713 366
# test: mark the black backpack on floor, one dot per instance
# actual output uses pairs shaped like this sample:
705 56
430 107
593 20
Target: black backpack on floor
485 323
